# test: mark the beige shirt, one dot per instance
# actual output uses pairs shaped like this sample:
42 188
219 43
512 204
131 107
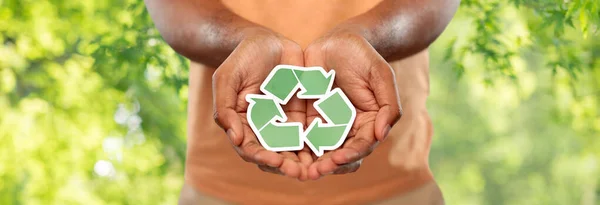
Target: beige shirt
397 165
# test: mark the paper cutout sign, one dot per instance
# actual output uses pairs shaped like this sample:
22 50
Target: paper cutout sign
268 121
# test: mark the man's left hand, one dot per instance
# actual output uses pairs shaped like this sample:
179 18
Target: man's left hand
369 82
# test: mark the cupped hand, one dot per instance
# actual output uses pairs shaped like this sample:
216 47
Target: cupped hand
369 82
242 73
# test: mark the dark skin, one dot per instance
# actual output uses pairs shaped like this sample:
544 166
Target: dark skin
207 32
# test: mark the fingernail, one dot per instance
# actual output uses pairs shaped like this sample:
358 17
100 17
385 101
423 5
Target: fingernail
230 135
257 157
351 155
386 131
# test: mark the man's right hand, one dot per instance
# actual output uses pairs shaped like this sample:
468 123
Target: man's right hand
242 73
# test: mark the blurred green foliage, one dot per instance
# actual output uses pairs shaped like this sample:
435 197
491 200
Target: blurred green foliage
92 104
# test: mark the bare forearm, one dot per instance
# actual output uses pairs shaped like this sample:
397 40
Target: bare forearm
400 28
204 31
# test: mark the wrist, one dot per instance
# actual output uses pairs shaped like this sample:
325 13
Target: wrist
269 41
357 27
256 32
369 31
261 36
344 35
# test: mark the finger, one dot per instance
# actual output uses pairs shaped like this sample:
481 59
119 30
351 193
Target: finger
290 155
303 174
251 151
383 83
290 168
292 54
269 169
295 109
305 156
313 169
254 153
357 147
306 159
225 99
326 166
313 172
313 56
348 168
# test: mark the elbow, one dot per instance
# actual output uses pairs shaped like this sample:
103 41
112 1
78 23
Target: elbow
441 15
170 26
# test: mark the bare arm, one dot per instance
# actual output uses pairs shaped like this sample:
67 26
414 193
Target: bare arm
204 31
400 28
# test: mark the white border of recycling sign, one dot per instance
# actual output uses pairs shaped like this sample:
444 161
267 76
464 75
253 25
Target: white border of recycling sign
268 121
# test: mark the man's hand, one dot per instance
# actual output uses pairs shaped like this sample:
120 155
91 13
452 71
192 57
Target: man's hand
358 50
242 73
369 82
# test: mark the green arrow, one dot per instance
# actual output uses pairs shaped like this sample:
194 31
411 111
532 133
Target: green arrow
262 110
336 108
267 119
339 113
281 136
320 137
315 82
281 83
262 115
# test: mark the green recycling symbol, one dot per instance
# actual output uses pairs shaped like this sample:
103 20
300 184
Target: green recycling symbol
268 121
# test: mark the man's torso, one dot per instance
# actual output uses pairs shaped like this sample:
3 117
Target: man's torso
398 165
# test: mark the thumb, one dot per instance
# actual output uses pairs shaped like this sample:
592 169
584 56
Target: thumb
224 102
383 83
313 56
